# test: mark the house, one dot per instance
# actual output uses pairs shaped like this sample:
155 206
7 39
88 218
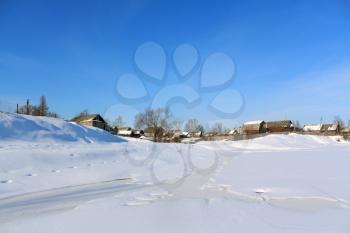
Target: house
279 126
172 133
322 128
197 134
330 128
345 131
137 133
112 130
184 134
233 132
254 127
312 128
92 120
153 132
125 131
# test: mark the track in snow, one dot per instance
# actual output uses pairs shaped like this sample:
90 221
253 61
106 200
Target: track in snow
59 199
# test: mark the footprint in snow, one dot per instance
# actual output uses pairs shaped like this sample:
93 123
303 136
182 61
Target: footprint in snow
6 181
73 167
55 171
262 190
32 174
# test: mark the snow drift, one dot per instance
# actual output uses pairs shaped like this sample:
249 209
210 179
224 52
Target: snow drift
29 128
291 141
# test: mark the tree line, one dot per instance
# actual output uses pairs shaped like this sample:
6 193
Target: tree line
160 119
42 109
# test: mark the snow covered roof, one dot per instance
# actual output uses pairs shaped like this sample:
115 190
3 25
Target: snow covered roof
125 132
184 133
333 127
330 127
89 117
253 122
124 128
233 131
317 127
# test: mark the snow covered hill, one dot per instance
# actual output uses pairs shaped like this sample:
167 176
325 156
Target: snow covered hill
39 129
51 179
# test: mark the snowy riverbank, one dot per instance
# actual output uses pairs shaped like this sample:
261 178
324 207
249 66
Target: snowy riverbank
62 177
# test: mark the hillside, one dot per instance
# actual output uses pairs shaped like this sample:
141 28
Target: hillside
34 129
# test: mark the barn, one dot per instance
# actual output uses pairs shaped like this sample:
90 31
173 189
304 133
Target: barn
254 127
92 120
279 126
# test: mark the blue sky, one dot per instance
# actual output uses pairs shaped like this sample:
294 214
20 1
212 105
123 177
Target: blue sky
292 58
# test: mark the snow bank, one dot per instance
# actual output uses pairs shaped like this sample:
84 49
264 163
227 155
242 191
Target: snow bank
287 142
29 128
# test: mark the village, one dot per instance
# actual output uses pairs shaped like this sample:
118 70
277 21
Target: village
156 125
248 130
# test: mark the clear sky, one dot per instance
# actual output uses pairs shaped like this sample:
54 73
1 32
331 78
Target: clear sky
292 58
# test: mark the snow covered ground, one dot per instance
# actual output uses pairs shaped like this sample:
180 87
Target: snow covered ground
57 176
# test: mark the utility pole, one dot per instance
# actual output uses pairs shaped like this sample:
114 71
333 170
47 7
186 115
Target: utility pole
27 108
17 109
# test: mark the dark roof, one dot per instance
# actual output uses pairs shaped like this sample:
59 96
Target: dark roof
89 117
279 124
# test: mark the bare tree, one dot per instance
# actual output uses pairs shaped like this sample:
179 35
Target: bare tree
26 109
217 128
118 122
36 110
53 114
85 112
339 121
159 119
296 125
43 108
193 126
177 124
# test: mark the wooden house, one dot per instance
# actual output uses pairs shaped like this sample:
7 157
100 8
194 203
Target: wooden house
345 131
254 127
153 132
92 120
279 126
330 129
